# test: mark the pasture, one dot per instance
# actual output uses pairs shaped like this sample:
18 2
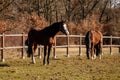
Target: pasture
63 68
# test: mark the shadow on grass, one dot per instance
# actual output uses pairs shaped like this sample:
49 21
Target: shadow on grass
56 59
4 65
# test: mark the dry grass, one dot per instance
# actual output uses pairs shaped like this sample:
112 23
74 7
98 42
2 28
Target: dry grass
63 68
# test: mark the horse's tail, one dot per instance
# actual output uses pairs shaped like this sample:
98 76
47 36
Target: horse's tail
88 43
26 42
88 39
27 49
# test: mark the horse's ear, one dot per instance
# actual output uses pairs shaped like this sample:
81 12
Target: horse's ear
63 21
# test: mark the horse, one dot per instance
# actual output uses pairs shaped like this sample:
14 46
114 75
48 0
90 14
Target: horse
44 37
93 42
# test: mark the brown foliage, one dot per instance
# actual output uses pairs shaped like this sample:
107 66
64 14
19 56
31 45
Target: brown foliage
91 23
38 22
23 23
6 25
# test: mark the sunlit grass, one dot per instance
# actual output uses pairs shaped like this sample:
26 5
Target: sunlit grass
63 68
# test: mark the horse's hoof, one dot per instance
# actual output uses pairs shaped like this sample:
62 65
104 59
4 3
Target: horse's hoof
68 55
49 64
54 57
88 58
44 64
100 57
39 57
93 58
34 62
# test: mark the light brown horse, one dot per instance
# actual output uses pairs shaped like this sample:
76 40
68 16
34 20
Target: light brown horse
44 37
93 42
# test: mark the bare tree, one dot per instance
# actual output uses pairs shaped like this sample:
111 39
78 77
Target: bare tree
5 4
103 10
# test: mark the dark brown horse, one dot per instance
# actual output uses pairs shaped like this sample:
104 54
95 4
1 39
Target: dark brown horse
93 41
44 37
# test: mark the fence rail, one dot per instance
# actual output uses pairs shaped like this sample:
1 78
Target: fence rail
67 46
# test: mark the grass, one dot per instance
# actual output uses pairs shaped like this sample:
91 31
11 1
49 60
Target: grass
62 68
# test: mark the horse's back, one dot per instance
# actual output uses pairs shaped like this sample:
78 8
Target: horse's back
93 36
97 36
40 37
33 35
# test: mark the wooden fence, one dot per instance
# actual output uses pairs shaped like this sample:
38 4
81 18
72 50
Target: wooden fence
67 46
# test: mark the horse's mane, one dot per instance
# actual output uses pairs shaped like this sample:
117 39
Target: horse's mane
50 30
53 26
47 27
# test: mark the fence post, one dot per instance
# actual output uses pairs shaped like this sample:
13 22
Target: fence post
23 44
2 45
111 44
80 43
54 49
68 46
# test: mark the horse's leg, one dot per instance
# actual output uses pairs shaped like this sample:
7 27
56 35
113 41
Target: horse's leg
88 53
39 52
100 50
45 48
29 52
49 49
33 51
92 51
95 52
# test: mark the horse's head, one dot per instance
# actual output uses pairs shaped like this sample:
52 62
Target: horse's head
63 28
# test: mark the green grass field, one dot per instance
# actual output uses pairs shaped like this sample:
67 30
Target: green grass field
63 68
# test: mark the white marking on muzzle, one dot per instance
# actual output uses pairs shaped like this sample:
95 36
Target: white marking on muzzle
65 28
